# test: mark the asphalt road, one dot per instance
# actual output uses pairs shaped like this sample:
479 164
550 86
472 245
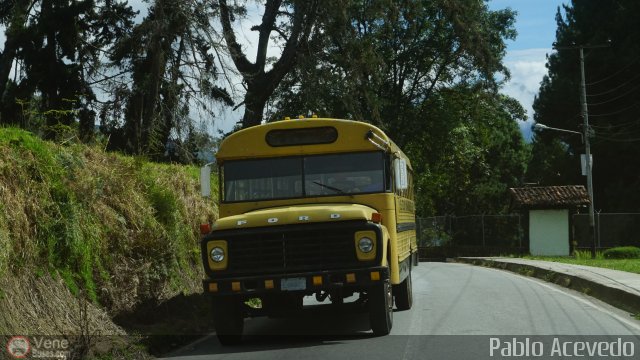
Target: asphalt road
457 310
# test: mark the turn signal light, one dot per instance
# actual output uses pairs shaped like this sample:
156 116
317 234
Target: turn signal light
235 286
351 278
376 218
213 287
375 275
268 284
205 229
317 280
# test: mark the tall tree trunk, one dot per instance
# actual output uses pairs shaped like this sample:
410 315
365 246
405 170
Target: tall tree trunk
142 113
156 72
11 44
171 95
261 83
50 100
6 63
255 100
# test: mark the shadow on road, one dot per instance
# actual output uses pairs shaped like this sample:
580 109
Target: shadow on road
316 325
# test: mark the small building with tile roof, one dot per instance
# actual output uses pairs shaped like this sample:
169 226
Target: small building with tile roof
549 209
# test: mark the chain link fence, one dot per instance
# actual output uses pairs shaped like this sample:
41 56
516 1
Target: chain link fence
611 230
471 235
485 235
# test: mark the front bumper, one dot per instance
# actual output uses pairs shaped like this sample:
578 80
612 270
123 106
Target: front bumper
304 282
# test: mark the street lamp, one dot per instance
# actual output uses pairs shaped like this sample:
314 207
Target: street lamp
589 168
545 127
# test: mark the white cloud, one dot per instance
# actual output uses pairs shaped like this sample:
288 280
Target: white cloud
2 38
527 69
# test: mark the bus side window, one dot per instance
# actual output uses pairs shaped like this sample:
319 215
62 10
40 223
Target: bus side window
387 173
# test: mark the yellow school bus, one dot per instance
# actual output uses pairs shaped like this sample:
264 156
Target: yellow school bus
310 206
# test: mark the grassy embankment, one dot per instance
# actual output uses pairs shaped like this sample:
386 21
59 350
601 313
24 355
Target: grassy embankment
584 258
80 226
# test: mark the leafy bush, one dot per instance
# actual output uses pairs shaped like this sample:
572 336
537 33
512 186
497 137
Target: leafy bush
623 252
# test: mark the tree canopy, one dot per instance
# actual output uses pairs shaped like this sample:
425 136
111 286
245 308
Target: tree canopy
612 98
427 73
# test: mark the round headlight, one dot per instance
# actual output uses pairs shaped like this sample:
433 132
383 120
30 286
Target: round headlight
365 244
217 254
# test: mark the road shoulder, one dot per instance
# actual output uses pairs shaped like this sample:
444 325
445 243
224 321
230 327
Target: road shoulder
617 288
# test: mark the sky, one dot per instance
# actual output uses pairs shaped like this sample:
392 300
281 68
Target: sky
525 58
526 55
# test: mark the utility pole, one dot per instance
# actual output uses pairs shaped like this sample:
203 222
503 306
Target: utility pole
587 151
587 146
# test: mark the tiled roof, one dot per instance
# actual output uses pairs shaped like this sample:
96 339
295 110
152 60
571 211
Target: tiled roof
550 196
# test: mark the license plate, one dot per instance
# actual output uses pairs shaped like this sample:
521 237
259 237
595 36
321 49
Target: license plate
293 284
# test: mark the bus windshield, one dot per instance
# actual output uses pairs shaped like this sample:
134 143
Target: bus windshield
304 176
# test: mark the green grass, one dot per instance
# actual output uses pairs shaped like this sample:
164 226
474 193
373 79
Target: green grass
86 215
584 258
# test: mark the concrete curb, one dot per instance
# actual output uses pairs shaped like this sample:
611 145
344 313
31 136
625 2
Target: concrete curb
619 298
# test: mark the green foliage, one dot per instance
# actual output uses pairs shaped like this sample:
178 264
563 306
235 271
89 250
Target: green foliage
623 252
151 75
164 203
586 255
171 62
612 98
469 153
629 265
97 220
425 72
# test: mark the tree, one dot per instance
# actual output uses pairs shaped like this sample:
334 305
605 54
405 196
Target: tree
261 82
378 59
469 153
172 70
13 16
612 97
425 71
54 47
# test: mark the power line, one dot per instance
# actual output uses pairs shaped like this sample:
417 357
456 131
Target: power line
615 88
620 135
617 111
616 73
618 139
615 126
617 97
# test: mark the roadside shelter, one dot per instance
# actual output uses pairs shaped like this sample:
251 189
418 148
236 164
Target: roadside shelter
550 209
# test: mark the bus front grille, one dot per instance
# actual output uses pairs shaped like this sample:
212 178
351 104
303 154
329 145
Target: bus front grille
292 251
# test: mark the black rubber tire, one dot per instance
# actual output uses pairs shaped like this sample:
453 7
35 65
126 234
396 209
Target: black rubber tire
381 308
403 294
228 319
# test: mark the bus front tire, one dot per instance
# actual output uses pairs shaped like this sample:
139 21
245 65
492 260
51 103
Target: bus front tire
381 308
404 294
228 319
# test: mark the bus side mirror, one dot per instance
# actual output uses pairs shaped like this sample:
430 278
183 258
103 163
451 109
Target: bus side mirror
400 171
205 180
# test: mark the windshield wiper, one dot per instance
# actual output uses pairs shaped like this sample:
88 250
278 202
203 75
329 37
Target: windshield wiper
331 188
